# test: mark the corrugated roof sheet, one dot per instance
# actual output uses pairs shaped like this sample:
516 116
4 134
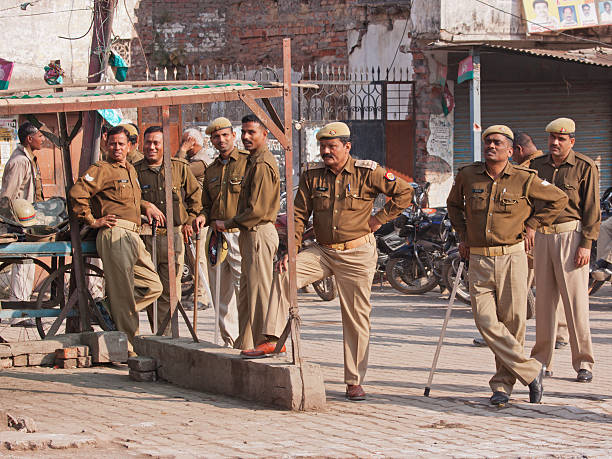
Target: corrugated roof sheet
592 56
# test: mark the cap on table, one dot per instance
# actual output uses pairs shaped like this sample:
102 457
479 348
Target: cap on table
333 130
561 126
218 123
498 129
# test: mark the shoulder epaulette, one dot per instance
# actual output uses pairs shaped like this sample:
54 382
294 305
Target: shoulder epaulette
244 152
313 165
585 158
525 168
474 164
366 163
180 160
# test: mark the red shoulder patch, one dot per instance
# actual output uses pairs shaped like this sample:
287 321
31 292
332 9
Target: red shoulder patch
389 176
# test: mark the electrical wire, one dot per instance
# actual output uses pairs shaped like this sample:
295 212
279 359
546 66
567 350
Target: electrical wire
137 36
82 36
44 12
397 49
601 43
20 5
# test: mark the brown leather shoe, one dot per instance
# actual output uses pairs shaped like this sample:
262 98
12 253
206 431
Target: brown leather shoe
263 350
355 392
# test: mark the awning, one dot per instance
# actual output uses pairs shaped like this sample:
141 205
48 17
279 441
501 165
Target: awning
601 57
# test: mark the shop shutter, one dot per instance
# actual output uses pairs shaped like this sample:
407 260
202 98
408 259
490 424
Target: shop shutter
528 107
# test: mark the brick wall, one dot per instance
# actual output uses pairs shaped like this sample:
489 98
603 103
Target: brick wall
206 32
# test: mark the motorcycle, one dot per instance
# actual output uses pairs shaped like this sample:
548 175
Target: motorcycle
606 212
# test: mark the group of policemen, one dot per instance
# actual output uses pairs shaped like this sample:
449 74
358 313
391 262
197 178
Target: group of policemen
548 206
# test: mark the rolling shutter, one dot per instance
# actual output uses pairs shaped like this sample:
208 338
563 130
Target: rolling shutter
529 107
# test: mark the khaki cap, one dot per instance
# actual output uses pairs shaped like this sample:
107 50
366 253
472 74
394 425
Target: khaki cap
561 126
131 129
498 129
218 123
26 215
333 130
216 247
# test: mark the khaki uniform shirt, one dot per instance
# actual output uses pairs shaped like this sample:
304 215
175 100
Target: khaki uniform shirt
107 188
259 198
487 212
222 185
342 204
186 193
134 156
22 178
197 163
578 177
535 155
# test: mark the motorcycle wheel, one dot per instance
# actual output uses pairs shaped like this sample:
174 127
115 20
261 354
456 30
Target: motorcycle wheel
407 277
449 273
326 288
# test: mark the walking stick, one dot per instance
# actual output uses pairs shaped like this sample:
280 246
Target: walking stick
218 286
154 259
196 282
446 318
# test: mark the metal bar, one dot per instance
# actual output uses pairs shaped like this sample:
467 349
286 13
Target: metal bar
169 221
78 272
475 115
179 306
22 313
272 112
26 106
62 315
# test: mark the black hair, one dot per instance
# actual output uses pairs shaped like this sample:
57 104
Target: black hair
118 130
252 119
344 139
25 130
152 129
522 139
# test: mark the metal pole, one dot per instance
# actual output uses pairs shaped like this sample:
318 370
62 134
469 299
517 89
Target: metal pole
170 221
443 332
475 118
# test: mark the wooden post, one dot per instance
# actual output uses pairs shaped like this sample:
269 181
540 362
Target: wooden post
170 221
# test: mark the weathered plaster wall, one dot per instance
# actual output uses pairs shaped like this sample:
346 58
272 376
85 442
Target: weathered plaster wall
32 41
470 20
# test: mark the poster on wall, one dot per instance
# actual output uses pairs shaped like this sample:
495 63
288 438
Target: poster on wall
557 15
8 140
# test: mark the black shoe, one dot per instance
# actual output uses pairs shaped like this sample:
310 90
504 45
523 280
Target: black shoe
560 344
584 376
536 389
499 398
480 342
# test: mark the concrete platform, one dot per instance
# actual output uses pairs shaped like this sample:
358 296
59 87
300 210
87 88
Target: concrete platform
210 368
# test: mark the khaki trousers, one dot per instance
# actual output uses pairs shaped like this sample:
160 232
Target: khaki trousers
131 280
257 248
354 270
163 303
558 278
604 241
229 273
562 333
22 281
498 290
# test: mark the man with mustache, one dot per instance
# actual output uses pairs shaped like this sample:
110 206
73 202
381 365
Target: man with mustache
495 208
222 182
339 192
563 249
258 204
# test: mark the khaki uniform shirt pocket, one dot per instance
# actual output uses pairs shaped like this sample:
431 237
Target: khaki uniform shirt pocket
235 184
357 202
123 189
508 202
321 200
478 202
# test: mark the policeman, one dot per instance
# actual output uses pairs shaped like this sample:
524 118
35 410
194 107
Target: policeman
563 249
22 180
258 204
222 185
187 204
491 206
192 149
340 192
524 152
108 197
133 154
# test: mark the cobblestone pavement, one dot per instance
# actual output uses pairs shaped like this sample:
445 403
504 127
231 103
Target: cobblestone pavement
158 419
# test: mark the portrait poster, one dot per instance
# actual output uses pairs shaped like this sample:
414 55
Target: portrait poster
557 15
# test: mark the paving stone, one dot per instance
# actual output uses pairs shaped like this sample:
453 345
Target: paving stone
143 376
6 362
20 361
106 347
44 346
21 441
141 363
41 359
83 351
66 353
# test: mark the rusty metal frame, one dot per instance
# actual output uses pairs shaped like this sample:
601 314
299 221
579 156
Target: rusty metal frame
281 131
